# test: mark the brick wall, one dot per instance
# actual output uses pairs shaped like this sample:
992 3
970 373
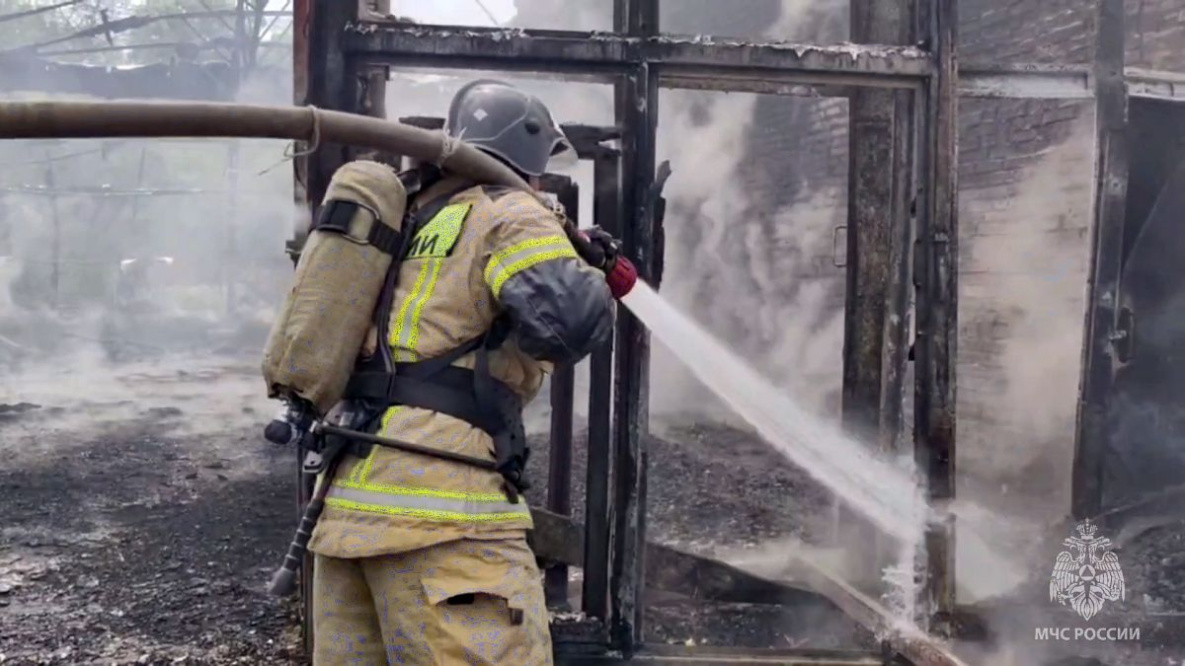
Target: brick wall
1046 31
1025 174
1025 211
1156 34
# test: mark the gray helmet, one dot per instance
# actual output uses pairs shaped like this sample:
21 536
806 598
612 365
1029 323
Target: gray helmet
507 123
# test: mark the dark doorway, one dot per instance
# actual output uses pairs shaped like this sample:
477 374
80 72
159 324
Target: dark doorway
1146 420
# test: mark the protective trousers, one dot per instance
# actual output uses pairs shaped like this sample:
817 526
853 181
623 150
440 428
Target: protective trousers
467 602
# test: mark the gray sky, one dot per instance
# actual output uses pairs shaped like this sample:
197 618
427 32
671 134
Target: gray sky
456 12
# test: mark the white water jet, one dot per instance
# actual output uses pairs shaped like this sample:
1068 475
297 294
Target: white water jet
884 493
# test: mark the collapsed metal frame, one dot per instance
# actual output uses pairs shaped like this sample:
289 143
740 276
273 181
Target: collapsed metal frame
903 84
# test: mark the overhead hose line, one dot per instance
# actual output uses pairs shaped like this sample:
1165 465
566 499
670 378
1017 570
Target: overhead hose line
88 120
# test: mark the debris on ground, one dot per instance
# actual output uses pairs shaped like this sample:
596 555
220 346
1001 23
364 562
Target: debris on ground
140 523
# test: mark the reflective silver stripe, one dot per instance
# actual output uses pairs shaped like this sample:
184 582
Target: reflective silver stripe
445 508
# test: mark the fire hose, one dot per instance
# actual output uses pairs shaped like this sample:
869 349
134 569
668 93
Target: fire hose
313 126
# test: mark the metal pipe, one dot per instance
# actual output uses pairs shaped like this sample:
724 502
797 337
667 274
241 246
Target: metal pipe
89 120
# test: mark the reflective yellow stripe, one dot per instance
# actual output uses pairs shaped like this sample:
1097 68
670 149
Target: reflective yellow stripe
517 258
431 245
417 316
523 264
386 422
386 489
427 514
402 318
430 505
438 237
405 335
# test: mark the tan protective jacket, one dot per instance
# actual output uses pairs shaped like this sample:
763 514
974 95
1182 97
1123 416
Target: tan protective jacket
488 252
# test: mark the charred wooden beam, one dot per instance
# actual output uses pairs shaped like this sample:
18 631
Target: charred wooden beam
914 645
936 273
563 402
612 55
877 270
637 99
302 16
1026 81
331 84
560 539
559 479
1153 84
1098 367
607 212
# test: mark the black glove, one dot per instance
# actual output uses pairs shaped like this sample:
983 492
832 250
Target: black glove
595 246
602 251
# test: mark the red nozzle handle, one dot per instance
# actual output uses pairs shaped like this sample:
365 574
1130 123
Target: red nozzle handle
622 277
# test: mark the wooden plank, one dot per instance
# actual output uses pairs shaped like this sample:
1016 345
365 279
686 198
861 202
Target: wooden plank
910 643
560 539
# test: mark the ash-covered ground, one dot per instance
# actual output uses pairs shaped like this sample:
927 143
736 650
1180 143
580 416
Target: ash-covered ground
142 513
140 516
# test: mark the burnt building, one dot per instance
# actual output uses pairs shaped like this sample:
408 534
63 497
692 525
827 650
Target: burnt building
778 193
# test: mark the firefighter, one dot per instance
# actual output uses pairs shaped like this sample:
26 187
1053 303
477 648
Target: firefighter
424 560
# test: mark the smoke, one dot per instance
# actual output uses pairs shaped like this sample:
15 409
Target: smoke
1023 291
757 191
1023 279
206 232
